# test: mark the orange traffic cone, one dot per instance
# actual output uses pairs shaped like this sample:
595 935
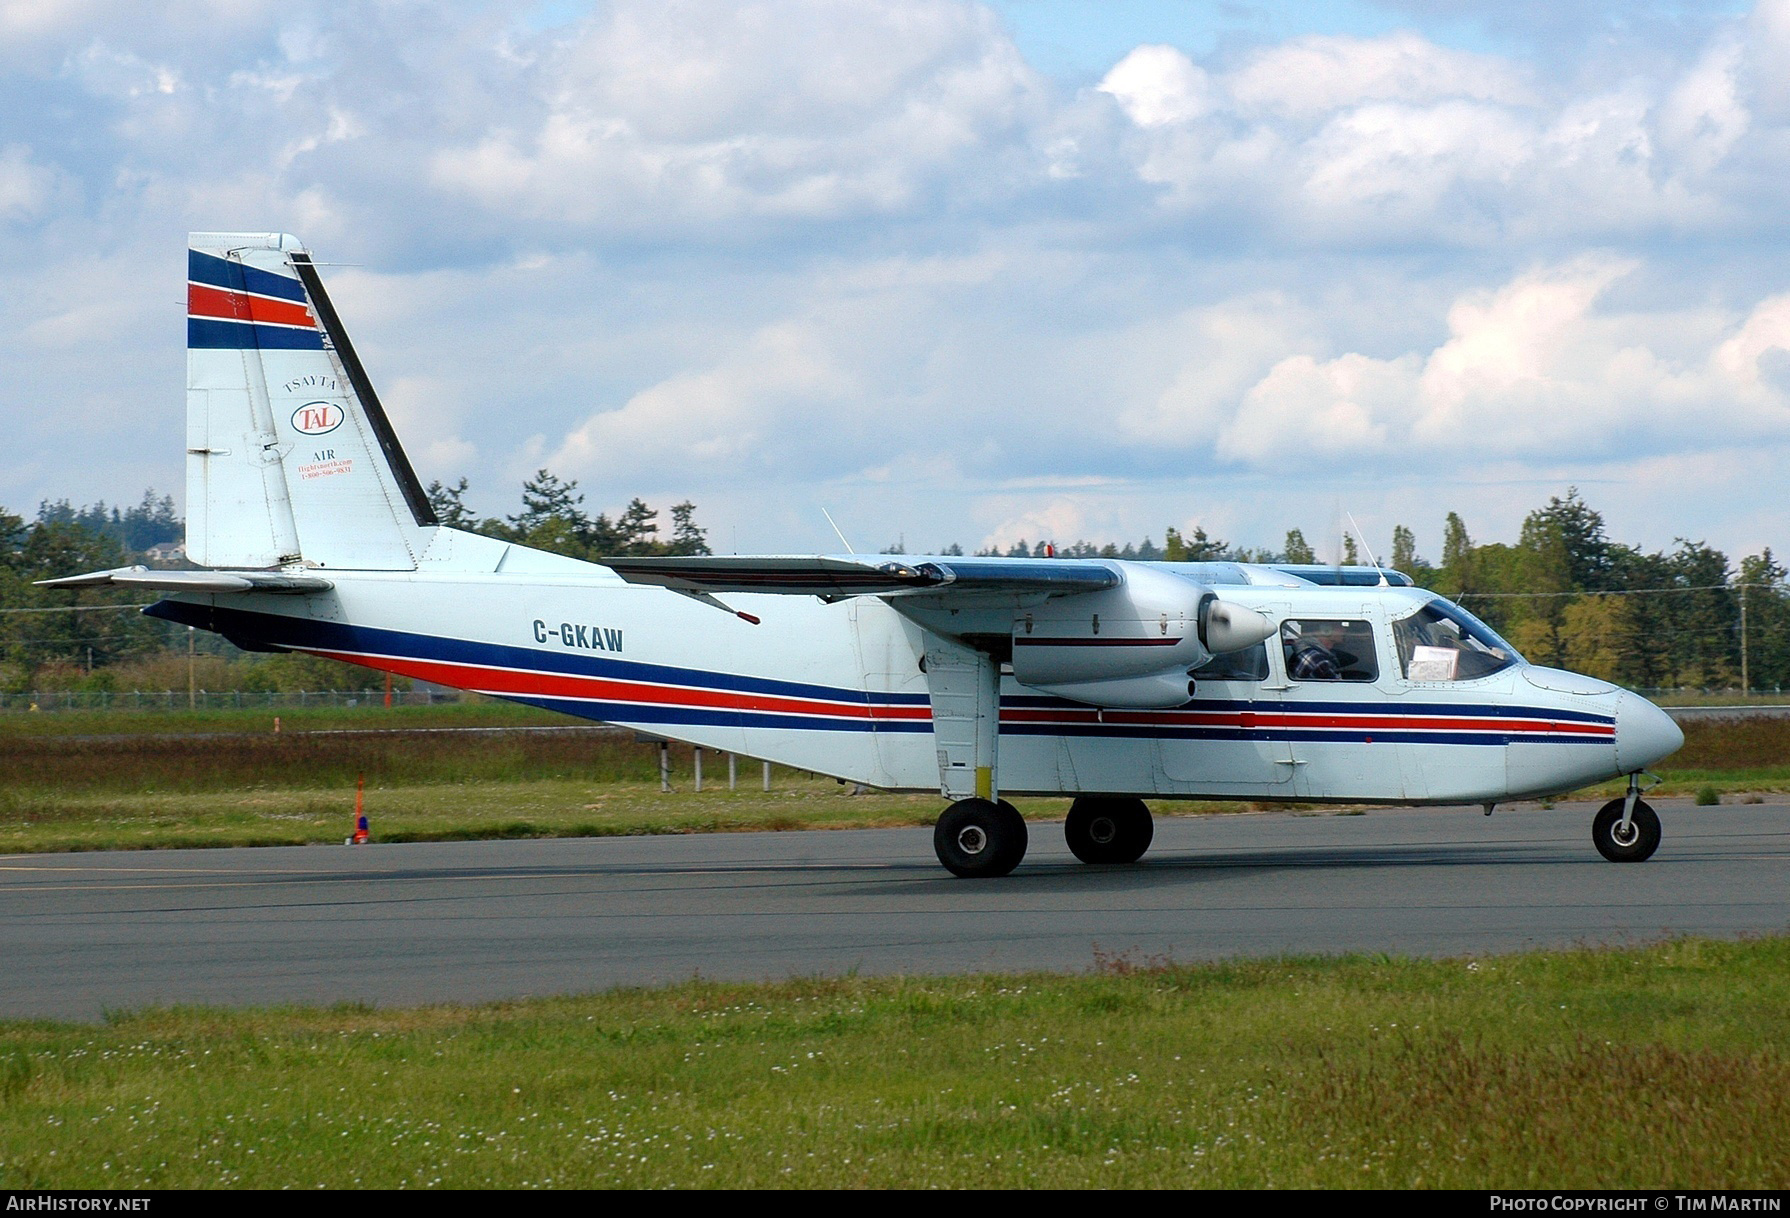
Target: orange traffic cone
361 835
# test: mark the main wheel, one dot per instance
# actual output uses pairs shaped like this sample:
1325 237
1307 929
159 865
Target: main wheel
1635 846
977 838
1109 829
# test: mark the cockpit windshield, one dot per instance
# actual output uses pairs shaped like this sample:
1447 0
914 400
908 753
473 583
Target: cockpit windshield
1443 642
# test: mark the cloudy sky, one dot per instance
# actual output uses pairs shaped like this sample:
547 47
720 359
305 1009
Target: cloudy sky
953 271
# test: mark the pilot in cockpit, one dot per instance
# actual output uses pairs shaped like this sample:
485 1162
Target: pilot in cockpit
1312 652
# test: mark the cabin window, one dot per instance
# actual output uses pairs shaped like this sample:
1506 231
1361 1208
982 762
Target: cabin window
1250 664
1329 649
1443 642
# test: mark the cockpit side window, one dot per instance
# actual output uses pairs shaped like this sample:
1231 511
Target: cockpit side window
1250 664
1326 649
1441 642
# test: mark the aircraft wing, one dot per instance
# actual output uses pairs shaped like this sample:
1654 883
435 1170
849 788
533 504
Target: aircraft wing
193 581
835 578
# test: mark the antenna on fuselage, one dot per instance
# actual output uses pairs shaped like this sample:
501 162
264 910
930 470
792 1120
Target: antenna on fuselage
1367 549
838 530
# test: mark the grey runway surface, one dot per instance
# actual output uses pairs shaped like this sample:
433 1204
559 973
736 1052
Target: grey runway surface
81 934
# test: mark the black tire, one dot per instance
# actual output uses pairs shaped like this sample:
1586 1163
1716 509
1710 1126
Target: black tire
1643 837
1109 829
980 839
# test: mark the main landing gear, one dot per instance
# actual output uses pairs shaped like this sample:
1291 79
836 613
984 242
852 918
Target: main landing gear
980 838
1626 830
1109 829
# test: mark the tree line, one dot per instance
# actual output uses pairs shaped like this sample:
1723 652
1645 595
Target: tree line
553 518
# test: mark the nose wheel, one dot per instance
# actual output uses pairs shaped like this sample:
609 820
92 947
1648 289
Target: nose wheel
1626 839
1109 829
979 838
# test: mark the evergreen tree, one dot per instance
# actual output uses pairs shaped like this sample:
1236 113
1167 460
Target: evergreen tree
1297 549
151 523
1767 601
1404 550
1455 579
548 500
636 529
449 503
1197 548
1577 532
687 537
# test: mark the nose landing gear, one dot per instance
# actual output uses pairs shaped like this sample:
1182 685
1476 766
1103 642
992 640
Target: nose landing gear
1627 830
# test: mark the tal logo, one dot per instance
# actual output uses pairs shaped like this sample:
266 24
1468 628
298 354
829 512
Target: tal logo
317 418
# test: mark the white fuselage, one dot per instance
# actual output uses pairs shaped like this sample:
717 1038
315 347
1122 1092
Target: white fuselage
838 688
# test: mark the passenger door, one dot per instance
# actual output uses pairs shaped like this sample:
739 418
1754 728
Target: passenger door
1229 740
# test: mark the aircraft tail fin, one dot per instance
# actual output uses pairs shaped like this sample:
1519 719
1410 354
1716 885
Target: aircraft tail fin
290 457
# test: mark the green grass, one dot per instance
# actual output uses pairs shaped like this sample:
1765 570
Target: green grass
1724 757
447 812
1653 1067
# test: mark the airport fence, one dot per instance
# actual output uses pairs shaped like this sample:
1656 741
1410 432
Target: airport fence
239 699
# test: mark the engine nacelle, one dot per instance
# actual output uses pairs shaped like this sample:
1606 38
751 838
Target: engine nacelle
1131 645
1158 691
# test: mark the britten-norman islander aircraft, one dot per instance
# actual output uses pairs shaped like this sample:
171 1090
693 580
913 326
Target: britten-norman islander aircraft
1101 679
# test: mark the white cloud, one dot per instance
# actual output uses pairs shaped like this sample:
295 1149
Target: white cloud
1531 371
26 188
1156 85
1412 157
1221 351
108 71
1064 519
1308 78
1703 116
779 389
782 108
1304 410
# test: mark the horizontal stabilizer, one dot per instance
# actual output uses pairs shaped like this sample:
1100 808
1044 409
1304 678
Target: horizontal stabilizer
193 581
835 577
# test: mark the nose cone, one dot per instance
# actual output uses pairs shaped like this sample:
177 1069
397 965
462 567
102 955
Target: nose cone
1644 734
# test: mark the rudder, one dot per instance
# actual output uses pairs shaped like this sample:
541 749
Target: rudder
290 457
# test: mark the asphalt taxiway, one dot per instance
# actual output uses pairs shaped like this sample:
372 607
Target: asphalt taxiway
81 934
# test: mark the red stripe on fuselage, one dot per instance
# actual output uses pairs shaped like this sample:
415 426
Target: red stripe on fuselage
604 689
220 305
